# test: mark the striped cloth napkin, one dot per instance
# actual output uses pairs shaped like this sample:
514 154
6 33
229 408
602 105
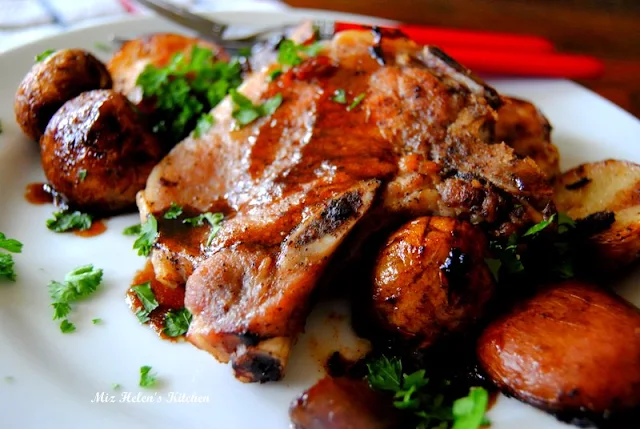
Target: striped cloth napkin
22 21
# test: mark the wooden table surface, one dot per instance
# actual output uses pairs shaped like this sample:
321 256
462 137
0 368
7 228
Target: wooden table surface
607 29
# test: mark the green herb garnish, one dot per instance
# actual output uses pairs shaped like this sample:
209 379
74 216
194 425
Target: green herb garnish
205 122
176 322
42 55
82 174
245 112
147 298
356 101
289 52
64 221
173 212
67 327
339 96
78 284
147 378
187 88
413 392
115 386
147 237
132 230
96 321
539 226
6 260
273 75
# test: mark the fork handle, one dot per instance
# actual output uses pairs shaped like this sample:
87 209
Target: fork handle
464 38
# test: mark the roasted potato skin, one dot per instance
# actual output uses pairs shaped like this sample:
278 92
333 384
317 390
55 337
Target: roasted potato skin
99 132
431 280
597 188
156 49
523 127
572 348
52 82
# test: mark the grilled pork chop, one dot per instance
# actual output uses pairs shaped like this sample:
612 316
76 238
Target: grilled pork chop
295 184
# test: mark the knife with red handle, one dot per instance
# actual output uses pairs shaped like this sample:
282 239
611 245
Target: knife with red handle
463 38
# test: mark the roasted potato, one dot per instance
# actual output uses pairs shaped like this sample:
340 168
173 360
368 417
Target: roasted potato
523 127
52 82
593 190
342 403
97 153
431 279
570 349
156 49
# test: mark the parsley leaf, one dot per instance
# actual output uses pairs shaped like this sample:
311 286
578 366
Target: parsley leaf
147 236
96 321
132 230
147 378
469 411
6 267
60 310
289 52
173 212
273 75
115 386
204 123
245 112
10 244
186 88
67 327
82 174
385 374
356 101
339 96
42 55
147 298
539 226
69 221
177 322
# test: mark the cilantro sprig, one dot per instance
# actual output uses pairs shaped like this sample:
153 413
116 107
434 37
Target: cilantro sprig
64 221
414 393
176 322
186 89
245 112
146 237
148 300
78 284
6 259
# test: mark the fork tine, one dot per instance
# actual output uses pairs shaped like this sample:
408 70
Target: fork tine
204 26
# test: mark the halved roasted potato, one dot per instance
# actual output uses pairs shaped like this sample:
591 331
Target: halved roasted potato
604 191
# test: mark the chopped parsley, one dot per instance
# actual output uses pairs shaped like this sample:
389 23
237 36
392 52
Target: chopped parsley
147 236
356 101
214 219
78 284
173 212
132 230
67 327
205 122
115 386
82 174
289 52
6 260
96 321
147 378
245 112
187 88
413 392
273 75
539 226
64 221
42 55
176 322
339 96
147 298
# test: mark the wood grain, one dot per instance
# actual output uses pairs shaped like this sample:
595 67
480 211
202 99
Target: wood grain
607 29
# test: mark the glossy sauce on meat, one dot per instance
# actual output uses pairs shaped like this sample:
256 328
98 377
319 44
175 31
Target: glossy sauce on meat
168 299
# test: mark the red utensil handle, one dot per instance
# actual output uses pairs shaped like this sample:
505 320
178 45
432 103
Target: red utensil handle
464 38
528 64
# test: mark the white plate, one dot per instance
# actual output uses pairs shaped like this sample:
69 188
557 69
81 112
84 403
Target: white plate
57 376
